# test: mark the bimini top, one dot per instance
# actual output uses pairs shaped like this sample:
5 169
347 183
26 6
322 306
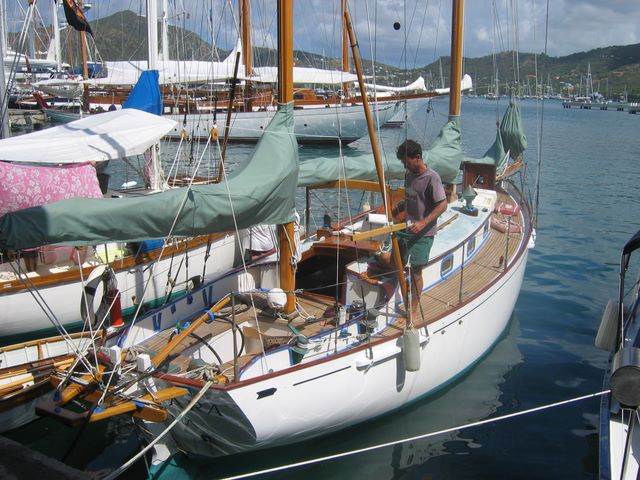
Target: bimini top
104 136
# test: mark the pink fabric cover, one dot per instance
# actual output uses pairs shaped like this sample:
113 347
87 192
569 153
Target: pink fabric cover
24 186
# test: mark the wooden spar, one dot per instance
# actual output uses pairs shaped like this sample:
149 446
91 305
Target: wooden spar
345 47
162 355
227 123
365 185
397 260
456 57
74 389
245 35
378 231
146 407
142 408
285 96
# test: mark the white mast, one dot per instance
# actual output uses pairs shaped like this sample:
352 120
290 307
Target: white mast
56 35
152 33
155 179
165 30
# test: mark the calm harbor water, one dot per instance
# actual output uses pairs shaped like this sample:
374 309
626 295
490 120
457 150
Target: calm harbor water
587 211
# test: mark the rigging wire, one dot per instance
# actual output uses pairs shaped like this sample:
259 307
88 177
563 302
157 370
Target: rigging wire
541 123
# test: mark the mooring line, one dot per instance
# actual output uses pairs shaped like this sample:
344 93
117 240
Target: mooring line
417 437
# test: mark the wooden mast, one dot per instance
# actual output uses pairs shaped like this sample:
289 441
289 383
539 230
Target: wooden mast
457 20
245 38
285 96
397 259
345 46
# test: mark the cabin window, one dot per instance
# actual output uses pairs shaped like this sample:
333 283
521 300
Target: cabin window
446 265
485 231
298 96
471 246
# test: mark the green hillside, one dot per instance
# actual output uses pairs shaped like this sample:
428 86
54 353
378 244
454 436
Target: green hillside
614 70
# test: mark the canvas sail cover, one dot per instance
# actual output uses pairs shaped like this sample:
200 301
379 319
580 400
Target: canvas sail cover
262 191
509 138
444 156
495 155
511 130
146 94
105 136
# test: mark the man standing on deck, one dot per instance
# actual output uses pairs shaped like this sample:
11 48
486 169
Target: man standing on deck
425 201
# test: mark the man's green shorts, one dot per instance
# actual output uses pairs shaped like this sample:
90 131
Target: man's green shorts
416 247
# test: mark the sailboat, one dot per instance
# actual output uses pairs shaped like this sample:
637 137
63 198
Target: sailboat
618 334
297 350
146 273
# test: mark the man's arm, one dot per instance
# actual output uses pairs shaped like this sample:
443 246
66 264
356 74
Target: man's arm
438 210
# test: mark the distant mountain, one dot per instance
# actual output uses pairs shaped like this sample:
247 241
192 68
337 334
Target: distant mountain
613 70
123 36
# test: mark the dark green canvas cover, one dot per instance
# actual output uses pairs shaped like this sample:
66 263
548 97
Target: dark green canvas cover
262 190
444 156
513 137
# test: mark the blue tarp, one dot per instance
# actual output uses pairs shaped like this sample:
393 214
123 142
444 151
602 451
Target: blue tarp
146 95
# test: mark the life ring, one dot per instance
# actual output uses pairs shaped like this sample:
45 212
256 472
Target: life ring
110 302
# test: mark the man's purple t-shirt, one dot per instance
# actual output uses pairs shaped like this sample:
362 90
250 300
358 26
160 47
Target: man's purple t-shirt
422 193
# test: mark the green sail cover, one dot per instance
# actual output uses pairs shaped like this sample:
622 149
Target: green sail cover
444 156
262 190
512 132
495 155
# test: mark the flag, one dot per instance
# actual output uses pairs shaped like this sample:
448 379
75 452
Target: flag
75 17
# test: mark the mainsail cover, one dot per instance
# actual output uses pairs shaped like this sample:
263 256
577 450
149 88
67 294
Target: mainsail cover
261 191
105 136
444 156
509 138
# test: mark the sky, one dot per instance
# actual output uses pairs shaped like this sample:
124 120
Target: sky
424 25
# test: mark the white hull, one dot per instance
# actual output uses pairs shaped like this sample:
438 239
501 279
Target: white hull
342 379
304 404
20 315
312 125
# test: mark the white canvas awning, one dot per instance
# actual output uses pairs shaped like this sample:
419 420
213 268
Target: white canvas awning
103 136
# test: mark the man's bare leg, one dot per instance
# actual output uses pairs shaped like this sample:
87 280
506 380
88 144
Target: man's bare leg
416 290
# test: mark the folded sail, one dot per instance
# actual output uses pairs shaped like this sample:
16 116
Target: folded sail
509 138
262 190
511 130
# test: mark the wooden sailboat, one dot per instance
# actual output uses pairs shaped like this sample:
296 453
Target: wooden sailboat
290 353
